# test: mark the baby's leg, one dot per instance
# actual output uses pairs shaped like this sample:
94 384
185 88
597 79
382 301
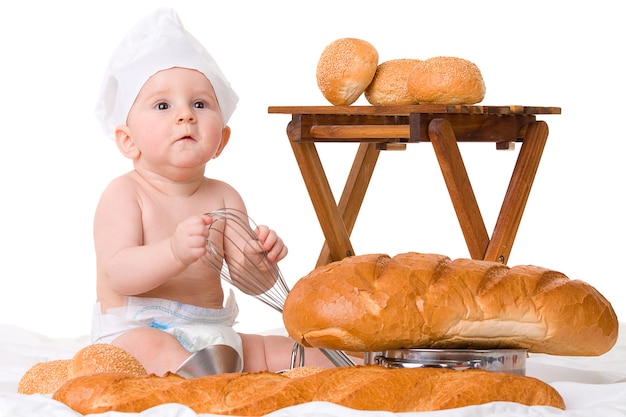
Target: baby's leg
159 352
273 353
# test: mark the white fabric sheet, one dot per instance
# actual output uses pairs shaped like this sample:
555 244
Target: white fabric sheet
591 386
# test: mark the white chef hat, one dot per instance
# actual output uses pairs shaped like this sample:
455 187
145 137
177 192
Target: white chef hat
156 43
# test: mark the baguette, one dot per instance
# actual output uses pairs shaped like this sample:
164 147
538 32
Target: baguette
376 303
368 387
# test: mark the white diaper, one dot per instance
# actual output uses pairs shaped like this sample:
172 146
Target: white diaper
194 327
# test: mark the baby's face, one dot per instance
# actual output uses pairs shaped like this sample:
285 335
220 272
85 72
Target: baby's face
176 120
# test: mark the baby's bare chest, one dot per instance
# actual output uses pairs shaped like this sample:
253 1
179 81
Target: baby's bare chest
160 216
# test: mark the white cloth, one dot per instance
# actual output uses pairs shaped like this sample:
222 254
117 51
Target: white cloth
156 43
194 327
576 379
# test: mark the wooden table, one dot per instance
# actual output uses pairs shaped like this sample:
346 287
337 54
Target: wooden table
378 128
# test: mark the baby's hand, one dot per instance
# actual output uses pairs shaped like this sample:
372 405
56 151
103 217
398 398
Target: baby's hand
271 243
190 237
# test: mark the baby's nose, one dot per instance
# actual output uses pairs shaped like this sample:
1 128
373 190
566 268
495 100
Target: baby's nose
186 117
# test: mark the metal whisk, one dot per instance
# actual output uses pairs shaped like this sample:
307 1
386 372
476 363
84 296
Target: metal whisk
241 262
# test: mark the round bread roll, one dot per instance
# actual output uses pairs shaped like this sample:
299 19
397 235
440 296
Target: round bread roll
44 377
102 357
389 86
345 69
446 80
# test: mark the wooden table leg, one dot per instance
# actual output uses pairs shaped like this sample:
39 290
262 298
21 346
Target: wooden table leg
354 191
328 214
498 247
517 194
455 175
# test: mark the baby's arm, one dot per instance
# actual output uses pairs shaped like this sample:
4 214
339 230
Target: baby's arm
130 258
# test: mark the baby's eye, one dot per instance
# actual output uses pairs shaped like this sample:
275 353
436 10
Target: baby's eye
162 106
199 105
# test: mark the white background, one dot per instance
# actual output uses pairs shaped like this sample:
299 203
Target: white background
55 161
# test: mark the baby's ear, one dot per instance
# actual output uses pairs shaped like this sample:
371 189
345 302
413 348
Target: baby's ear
224 142
125 143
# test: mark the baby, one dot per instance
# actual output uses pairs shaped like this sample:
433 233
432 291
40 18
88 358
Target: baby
166 104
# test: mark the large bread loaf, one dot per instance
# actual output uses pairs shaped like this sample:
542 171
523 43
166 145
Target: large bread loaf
375 303
254 394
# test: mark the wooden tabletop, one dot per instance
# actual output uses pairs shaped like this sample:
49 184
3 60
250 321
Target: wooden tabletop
386 124
418 108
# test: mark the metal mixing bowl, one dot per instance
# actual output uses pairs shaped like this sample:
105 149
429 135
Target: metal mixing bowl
215 359
497 360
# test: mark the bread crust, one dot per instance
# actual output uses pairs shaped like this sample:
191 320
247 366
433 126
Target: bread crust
446 80
368 387
46 377
345 69
389 87
101 358
375 303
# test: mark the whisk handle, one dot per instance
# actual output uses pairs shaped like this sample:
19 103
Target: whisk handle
337 357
